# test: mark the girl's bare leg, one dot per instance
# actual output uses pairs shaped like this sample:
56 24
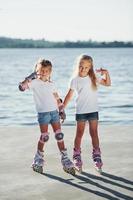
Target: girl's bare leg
43 129
79 134
93 128
66 162
38 161
56 127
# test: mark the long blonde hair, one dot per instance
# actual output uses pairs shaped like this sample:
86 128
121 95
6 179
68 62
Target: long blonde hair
91 73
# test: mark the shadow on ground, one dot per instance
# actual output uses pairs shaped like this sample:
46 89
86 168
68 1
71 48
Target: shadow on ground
86 178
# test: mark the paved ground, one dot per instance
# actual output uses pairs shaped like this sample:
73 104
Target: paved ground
19 182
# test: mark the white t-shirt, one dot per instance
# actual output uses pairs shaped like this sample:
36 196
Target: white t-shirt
43 95
86 101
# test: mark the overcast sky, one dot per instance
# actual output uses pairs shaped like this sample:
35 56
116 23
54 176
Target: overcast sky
59 20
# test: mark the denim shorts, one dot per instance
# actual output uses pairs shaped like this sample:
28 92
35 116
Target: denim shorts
48 117
87 116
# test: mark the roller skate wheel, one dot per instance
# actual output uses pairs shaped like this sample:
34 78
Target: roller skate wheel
38 169
69 171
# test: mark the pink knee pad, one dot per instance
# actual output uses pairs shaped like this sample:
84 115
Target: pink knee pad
44 137
59 135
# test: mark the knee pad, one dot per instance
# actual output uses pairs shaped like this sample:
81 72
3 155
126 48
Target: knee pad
59 136
44 137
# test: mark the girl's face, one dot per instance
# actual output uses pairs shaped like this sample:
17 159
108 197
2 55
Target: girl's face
84 67
44 72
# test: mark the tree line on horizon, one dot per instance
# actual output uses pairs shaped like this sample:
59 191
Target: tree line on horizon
6 42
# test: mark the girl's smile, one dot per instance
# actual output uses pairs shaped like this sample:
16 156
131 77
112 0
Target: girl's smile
44 73
85 66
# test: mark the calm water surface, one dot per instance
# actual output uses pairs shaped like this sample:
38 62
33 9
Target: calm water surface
115 102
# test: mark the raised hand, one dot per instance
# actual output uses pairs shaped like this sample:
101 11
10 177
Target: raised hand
23 85
102 71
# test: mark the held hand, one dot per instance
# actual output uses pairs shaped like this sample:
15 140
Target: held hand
62 116
62 112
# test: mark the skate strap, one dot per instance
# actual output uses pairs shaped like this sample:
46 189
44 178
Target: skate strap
97 159
77 157
66 163
65 158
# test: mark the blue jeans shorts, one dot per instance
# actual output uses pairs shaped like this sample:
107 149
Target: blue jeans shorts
48 117
87 116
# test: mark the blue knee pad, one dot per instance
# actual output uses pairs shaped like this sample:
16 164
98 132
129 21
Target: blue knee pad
44 137
59 137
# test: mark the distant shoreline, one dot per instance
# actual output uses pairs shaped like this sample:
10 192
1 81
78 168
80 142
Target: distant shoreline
42 43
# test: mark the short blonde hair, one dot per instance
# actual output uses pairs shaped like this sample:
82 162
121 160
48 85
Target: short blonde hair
43 63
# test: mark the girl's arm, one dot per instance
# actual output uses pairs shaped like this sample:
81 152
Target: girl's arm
24 85
58 99
68 97
104 81
56 95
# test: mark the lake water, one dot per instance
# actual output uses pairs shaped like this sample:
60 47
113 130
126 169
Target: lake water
115 102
